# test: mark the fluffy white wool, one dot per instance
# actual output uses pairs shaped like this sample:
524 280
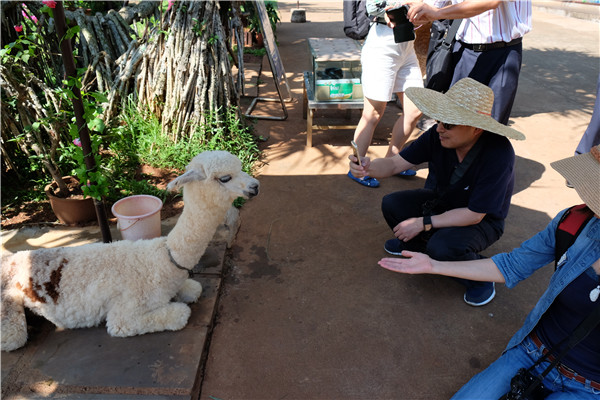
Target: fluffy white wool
130 284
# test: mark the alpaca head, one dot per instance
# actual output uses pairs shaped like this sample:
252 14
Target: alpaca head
216 177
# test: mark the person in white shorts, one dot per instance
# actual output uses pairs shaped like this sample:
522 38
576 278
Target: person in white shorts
387 68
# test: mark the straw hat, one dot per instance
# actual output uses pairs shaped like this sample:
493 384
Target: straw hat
468 102
583 172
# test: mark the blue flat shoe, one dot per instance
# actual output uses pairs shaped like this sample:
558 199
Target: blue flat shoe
408 172
366 181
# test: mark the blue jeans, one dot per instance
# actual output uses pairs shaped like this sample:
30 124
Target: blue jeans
494 381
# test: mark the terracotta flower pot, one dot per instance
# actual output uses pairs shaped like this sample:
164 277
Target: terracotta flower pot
70 210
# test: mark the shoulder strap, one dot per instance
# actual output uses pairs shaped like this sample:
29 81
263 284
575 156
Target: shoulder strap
461 168
569 227
458 173
452 31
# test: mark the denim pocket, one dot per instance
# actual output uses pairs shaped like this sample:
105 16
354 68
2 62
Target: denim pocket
531 348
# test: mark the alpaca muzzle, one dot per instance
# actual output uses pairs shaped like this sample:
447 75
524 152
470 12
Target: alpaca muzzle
252 190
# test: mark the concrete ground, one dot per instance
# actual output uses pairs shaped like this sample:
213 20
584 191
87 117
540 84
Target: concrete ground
299 308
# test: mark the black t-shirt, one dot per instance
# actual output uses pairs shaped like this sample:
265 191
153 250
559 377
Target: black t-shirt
567 311
486 187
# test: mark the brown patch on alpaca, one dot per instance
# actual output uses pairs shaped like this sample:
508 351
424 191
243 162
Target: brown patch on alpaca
54 284
32 291
35 291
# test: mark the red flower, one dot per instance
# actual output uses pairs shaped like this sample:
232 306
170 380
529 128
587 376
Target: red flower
18 28
50 3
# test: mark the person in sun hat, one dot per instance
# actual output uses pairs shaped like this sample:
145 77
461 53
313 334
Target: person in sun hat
573 293
451 220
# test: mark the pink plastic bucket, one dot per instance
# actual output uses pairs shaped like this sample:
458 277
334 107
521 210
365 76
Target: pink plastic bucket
138 217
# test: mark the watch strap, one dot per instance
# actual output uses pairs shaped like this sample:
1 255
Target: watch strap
427 222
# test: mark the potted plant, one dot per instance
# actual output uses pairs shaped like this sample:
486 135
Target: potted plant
30 73
252 20
83 185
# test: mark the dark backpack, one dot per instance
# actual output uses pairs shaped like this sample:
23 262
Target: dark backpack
356 19
569 227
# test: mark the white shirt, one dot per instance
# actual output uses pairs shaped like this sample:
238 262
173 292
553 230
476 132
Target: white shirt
511 20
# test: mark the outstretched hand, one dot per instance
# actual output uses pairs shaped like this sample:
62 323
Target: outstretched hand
414 263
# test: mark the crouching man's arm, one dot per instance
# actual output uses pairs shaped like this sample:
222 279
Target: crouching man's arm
418 263
379 167
411 227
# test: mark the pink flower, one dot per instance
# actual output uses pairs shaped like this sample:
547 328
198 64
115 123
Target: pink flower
34 19
171 2
18 28
77 142
50 3
24 14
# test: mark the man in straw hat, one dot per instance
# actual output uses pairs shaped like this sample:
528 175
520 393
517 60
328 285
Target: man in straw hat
462 208
573 295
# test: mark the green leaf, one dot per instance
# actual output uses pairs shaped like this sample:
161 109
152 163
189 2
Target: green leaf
96 125
100 97
72 32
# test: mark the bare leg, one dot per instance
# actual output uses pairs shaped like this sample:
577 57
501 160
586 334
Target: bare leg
404 125
372 112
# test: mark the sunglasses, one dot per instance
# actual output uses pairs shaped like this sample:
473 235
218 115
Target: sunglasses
446 125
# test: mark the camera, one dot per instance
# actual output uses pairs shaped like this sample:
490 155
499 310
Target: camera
524 386
404 30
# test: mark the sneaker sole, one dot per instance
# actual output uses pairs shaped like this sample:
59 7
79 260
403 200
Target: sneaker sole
394 253
483 303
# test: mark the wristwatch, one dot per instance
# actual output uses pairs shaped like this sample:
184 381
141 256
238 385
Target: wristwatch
427 223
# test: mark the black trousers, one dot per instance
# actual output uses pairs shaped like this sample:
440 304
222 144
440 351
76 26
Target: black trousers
443 244
499 69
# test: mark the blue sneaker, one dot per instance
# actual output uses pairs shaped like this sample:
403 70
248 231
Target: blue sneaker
394 246
480 294
366 181
408 172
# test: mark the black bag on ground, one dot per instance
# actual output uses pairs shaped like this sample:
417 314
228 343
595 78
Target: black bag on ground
439 67
356 19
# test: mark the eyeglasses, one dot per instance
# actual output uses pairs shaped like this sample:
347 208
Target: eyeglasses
446 125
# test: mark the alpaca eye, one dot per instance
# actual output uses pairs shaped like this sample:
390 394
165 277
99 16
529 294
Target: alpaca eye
225 179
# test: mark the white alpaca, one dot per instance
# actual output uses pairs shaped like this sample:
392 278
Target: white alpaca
128 284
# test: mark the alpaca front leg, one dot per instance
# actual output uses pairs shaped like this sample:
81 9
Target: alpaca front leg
13 328
189 292
124 322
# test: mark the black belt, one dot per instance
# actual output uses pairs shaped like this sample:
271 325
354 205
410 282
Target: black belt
490 46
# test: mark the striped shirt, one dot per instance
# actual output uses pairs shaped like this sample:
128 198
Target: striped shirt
511 20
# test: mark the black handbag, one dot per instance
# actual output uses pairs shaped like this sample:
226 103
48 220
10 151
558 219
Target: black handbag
439 67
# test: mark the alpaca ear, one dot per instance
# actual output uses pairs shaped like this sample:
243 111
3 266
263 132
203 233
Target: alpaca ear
187 177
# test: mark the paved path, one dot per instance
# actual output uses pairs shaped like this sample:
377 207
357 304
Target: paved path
304 311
